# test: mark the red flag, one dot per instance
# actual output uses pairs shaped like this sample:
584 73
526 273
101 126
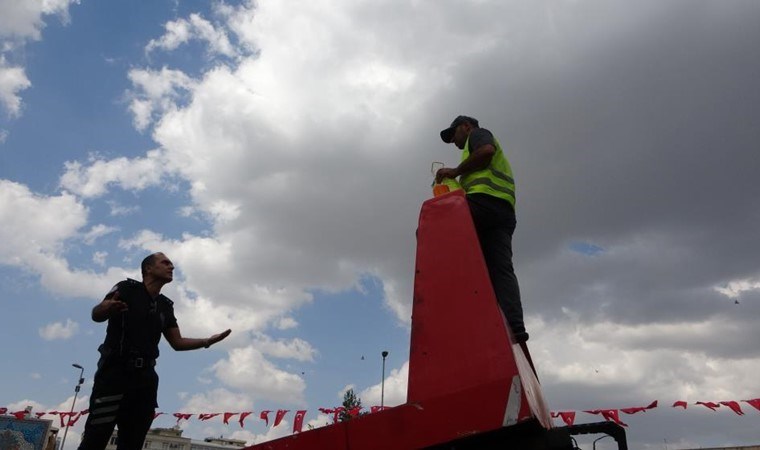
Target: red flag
336 413
354 412
181 416
39 414
280 414
87 411
567 416
298 421
328 410
206 416
62 415
608 414
710 405
73 420
680 403
734 407
265 416
155 415
375 409
5 410
636 409
227 416
19 414
243 415
754 402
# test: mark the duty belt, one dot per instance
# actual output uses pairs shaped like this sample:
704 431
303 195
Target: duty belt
141 363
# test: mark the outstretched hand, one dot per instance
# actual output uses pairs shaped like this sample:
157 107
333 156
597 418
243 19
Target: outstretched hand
114 305
218 337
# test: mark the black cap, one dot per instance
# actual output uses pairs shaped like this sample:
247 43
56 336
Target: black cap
448 134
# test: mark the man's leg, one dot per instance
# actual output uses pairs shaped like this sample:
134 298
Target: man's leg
136 416
495 227
497 251
104 408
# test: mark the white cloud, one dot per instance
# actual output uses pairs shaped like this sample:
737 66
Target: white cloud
99 258
247 369
131 174
13 80
295 348
734 289
96 232
394 389
59 330
120 210
25 19
3 136
20 22
181 31
35 376
156 92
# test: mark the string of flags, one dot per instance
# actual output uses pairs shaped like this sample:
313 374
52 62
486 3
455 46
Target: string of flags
568 417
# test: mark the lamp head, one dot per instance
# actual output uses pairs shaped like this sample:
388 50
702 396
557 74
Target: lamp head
77 366
385 353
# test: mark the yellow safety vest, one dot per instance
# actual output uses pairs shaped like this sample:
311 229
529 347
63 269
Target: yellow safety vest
496 179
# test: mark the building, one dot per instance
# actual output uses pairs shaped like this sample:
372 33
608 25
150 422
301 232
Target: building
171 439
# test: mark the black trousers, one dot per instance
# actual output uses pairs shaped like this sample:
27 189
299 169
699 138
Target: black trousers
495 224
120 396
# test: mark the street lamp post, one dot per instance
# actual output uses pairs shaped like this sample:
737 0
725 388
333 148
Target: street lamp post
382 382
76 392
599 439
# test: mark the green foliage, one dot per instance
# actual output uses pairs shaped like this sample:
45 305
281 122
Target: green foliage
350 403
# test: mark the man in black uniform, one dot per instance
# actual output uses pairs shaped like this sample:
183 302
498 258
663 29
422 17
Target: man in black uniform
126 384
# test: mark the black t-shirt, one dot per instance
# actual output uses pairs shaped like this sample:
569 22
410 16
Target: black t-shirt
137 331
480 137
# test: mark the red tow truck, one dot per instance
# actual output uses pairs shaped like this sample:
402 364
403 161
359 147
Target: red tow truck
470 385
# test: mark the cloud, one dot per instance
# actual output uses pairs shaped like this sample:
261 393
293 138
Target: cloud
246 369
93 180
182 31
19 23
59 330
13 80
394 389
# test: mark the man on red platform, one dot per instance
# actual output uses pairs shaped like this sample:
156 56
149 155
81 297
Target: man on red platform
486 177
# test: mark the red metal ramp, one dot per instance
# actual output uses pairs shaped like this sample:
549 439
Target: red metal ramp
466 375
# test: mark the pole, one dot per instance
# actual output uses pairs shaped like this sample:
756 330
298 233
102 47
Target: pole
599 439
76 392
382 382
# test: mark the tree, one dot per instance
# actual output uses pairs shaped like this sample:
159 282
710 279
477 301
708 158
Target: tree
352 406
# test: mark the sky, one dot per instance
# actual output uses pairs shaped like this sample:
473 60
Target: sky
279 153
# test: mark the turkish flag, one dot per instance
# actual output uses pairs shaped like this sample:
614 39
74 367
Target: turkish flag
710 405
227 416
181 416
608 414
206 416
567 416
155 415
754 402
298 421
243 415
73 419
336 413
636 409
680 403
265 417
278 418
734 407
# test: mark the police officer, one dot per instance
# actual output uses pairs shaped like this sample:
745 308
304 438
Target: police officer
486 177
126 383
